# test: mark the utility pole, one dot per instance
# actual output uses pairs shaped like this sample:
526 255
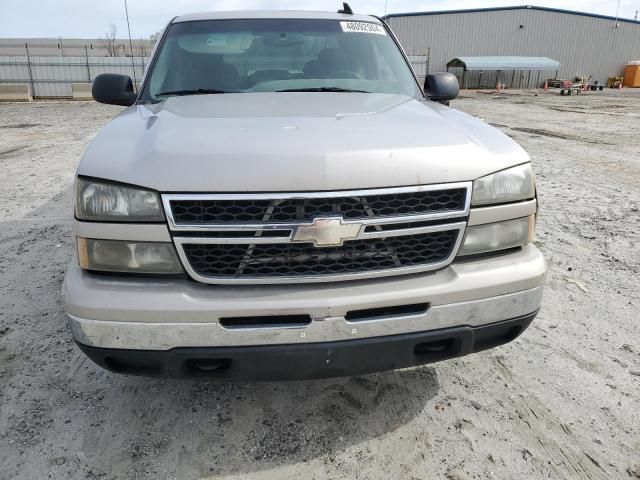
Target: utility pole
428 60
86 57
133 62
33 88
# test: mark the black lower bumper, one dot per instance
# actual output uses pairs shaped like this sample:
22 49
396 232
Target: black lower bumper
310 360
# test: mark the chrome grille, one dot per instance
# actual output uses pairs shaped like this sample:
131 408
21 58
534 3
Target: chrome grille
203 211
303 259
317 237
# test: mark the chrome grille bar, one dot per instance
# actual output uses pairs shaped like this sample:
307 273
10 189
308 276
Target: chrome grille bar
379 220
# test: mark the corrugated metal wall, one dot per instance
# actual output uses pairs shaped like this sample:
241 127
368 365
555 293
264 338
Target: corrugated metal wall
53 76
74 47
583 45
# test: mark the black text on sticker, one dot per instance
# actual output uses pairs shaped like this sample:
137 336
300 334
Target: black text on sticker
362 27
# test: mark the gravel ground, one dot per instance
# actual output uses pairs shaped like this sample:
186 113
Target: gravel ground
563 401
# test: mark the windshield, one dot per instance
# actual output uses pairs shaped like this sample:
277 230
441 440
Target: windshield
276 55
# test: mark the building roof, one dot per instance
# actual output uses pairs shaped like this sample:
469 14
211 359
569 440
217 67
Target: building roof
505 63
274 14
520 7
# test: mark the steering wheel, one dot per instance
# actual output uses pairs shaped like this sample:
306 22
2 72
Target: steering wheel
345 74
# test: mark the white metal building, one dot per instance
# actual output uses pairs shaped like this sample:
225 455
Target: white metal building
75 47
585 44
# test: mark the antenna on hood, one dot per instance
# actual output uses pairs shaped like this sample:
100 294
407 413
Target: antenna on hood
346 9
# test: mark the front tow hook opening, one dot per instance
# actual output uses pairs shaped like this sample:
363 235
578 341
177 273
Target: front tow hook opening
438 349
207 366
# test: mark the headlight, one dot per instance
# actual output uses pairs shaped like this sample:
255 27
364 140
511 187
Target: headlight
107 202
511 185
129 257
498 236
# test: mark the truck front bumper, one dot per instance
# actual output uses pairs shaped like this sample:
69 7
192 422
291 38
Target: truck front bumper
310 360
175 322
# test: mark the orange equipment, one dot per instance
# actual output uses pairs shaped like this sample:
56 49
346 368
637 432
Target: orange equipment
632 74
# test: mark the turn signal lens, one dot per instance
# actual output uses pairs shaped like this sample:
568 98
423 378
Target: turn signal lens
498 236
128 257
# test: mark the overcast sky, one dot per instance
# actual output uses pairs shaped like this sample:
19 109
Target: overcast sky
91 18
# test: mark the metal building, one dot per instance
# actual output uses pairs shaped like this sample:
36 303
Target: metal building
585 44
502 67
75 47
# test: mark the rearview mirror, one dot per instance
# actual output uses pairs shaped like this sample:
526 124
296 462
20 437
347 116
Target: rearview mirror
441 87
113 89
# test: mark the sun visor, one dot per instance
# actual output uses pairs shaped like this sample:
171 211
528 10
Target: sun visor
221 43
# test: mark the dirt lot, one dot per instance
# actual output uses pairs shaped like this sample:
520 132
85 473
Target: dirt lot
563 401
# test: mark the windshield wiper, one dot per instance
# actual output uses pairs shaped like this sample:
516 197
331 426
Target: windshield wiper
322 89
199 91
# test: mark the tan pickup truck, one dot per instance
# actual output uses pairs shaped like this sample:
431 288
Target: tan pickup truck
282 199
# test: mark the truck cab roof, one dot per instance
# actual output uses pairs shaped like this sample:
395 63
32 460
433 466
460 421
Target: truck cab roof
274 14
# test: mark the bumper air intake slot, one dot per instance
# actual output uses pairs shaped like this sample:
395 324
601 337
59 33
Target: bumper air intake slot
498 335
134 366
266 321
384 312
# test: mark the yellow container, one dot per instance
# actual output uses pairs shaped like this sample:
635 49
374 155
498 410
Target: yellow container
632 74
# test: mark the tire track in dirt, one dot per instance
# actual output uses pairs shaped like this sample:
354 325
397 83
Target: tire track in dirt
543 426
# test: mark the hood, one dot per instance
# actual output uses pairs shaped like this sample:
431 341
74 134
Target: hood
268 142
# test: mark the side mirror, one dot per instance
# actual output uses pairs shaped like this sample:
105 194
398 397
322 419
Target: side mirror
441 87
113 89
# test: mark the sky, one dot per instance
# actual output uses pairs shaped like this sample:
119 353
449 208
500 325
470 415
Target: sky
91 18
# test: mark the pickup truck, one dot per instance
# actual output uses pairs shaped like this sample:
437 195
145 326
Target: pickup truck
283 200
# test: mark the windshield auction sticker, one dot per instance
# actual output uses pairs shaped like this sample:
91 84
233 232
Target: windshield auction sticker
362 27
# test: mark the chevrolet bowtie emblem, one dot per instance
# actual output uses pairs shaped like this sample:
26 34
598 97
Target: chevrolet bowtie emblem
327 232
